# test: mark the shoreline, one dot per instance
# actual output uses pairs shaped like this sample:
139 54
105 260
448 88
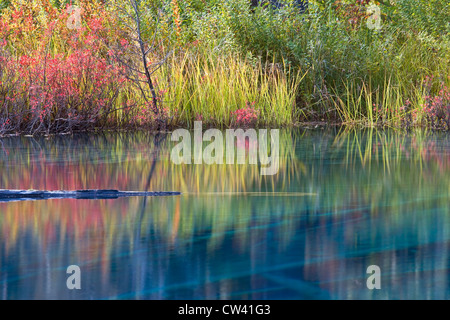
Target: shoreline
312 125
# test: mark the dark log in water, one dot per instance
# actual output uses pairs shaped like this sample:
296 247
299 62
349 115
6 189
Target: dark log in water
22 195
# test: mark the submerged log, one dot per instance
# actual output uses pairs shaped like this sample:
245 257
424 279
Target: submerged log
22 195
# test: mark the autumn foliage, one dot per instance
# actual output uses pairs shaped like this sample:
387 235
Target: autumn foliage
57 77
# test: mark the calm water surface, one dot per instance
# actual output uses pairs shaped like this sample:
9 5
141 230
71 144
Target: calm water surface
341 201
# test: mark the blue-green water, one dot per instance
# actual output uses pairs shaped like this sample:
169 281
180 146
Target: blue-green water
340 202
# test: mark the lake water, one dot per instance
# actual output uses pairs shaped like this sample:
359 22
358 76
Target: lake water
341 202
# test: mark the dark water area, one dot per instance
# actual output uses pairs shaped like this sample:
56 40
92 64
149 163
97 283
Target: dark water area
340 202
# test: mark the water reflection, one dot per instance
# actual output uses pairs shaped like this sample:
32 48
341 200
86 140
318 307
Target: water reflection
341 201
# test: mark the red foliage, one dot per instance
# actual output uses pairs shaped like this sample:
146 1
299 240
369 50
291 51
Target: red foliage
437 106
45 92
247 117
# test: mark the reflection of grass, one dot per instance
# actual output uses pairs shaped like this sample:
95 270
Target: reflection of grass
92 163
325 175
406 172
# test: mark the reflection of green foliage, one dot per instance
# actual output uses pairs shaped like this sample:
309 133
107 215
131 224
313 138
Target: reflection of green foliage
378 189
397 170
386 171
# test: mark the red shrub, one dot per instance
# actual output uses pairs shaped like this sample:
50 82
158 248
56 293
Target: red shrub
247 117
43 92
437 106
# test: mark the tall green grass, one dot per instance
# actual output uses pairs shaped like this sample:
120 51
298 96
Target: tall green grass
210 88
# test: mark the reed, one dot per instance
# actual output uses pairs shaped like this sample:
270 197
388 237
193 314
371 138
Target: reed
209 88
